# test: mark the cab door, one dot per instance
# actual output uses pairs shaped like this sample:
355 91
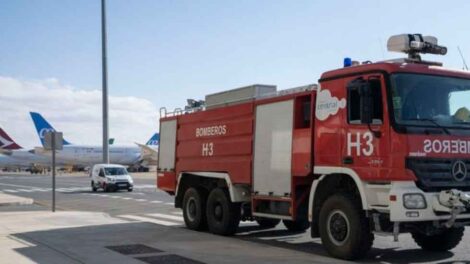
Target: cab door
101 177
366 144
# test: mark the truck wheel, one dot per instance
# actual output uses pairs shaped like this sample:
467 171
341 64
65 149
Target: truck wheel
194 209
444 241
223 216
93 186
298 225
264 222
344 229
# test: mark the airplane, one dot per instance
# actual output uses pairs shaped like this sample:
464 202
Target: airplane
6 143
14 156
83 154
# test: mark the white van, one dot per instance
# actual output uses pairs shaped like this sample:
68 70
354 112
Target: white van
110 177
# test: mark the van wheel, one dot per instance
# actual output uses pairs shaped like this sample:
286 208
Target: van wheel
194 209
264 222
298 225
223 216
444 241
344 229
130 189
93 186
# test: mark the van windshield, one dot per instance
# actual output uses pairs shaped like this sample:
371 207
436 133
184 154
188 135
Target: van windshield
115 171
426 100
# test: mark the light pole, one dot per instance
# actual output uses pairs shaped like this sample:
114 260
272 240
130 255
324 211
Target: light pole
105 83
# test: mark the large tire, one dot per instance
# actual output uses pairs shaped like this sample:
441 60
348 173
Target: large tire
444 241
223 216
344 229
298 225
93 186
194 209
264 222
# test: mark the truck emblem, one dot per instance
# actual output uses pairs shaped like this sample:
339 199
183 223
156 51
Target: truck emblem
459 171
328 105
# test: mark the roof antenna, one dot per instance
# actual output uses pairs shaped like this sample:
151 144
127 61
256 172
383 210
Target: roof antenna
463 59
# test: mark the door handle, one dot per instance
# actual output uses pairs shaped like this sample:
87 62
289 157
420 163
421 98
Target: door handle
348 160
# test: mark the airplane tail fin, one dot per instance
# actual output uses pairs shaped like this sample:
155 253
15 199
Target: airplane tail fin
42 126
6 143
154 140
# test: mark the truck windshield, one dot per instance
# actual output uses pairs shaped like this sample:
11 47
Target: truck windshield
115 171
431 101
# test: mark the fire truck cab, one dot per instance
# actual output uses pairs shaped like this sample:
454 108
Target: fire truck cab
373 148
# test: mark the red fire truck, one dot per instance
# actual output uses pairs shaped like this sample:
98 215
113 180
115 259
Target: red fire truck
374 148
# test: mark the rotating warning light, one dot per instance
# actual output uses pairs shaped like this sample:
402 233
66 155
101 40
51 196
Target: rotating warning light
414 44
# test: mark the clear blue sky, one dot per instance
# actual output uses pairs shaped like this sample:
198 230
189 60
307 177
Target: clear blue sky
167 51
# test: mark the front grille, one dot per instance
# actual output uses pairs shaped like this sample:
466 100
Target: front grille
121 181
435 174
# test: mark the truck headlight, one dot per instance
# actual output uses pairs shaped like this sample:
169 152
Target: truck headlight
414 201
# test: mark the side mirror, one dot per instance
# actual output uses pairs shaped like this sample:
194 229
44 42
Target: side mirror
101 174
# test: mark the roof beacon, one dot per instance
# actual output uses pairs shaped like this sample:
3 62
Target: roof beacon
414 45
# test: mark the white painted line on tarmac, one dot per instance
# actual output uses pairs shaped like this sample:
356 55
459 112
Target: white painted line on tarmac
170 203
177 213
141 200
16 185
40 190
150 220
72 189
156 202
127 198
24 190
10 191
165 216
144 186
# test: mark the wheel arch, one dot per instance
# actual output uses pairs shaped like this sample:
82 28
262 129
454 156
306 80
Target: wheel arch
208 181
332 179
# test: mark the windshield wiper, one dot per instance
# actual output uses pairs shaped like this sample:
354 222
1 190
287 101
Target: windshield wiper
432 121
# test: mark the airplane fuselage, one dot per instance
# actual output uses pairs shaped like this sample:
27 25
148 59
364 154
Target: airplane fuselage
89 155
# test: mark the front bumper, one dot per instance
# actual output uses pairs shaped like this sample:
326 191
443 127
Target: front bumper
121 185
390 200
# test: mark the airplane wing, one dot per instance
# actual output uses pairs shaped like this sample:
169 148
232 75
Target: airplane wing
148 155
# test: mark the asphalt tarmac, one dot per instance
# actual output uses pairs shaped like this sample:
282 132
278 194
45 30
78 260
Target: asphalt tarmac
148 217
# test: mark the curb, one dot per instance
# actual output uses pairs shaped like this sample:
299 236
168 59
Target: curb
9 200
